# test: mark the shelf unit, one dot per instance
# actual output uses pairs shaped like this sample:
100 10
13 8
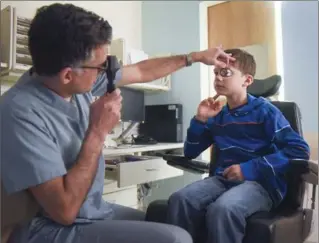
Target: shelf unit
16 59
15 56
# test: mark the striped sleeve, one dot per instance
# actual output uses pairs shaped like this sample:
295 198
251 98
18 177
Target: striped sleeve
198 138
289 143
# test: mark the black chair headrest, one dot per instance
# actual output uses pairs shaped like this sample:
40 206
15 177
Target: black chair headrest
265 87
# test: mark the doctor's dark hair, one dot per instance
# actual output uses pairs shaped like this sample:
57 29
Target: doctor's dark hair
245 62
64 35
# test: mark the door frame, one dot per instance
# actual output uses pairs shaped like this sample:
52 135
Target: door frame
206 72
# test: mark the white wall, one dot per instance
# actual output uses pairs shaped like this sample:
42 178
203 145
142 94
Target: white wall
124 16
173 27
300 56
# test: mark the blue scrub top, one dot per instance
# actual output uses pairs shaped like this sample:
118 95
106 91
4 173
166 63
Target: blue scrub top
41 137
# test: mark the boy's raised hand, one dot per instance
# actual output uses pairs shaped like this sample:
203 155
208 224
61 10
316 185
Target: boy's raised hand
208 108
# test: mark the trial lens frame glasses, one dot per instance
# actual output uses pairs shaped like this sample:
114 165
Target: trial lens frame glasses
224 72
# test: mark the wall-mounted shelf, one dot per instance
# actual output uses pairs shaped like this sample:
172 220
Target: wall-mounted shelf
147 87
120 50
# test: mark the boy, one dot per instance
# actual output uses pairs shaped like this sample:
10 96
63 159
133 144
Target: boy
255 142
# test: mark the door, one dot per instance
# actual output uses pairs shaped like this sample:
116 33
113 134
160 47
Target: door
249 25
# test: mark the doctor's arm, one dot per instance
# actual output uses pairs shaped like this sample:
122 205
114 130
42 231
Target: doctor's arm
62 196
40 167
152 69
155 68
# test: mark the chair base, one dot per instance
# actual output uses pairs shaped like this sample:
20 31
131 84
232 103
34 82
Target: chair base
261 227
157 211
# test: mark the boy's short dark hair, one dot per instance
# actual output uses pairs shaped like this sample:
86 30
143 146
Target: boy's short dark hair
245 62
64 35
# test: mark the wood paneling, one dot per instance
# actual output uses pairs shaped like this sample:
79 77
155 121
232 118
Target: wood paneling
243 23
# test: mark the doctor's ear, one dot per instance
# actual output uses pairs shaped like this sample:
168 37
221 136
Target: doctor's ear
249 80
66 75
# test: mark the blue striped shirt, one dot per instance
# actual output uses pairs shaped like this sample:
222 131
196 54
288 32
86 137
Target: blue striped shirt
257 136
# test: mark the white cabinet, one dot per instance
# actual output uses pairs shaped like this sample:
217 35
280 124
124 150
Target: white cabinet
122 180
126 196
127 169
142 169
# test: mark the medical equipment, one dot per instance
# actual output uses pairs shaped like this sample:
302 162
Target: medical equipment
112 67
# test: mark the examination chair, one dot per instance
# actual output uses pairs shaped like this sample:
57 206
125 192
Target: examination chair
290 222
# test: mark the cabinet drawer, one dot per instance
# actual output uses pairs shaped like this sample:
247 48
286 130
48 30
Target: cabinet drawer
141 169
127 197
111 186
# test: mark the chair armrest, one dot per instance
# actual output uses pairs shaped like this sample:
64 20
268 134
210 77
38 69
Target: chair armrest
307 168
276 227
183 163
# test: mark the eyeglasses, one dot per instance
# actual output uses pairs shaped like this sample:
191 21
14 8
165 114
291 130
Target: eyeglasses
101 69
224 72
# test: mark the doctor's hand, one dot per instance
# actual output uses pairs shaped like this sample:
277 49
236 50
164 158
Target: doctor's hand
233 173
208 108
105 113
214 56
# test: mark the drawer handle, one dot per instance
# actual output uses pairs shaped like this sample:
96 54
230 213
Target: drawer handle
151 169
111 201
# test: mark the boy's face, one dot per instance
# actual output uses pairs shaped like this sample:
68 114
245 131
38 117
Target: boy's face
231 81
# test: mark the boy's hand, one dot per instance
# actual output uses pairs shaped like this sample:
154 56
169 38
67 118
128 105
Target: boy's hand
208 108
233 173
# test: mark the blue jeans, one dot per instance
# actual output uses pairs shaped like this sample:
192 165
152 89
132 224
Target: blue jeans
214 210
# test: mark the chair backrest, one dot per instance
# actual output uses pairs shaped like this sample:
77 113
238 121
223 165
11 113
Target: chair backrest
296 186
17 208
265 87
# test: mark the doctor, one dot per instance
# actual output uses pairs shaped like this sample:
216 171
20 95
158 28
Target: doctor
54 135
